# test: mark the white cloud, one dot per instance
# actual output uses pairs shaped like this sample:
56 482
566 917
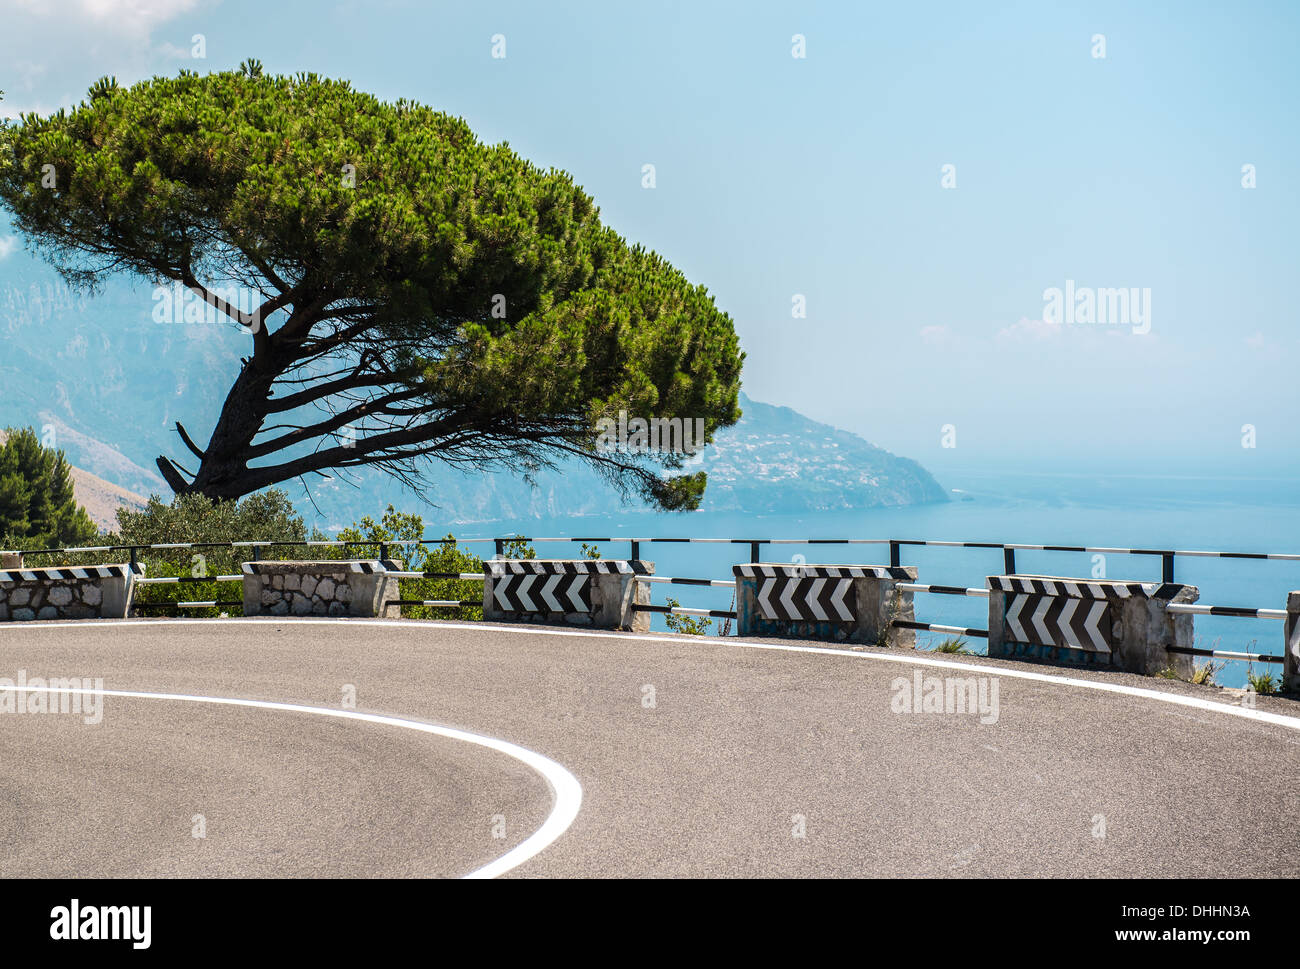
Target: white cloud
7 246
13 110
53 50
1026 329
132 16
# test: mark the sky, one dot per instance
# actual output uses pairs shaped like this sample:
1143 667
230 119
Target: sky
820 180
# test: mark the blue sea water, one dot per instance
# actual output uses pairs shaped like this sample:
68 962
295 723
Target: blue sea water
1120 511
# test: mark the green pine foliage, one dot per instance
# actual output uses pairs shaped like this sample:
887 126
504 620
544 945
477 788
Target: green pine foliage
37 506
442 297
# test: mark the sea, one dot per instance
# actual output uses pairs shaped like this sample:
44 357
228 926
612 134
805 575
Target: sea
1179 512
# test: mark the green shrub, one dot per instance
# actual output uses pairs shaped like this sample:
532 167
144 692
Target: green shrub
187 592
396 527
1262 683
517 548
445 557
687 625
1204 675
265 517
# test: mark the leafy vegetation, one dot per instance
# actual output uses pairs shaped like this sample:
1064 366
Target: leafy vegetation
518 549
398 535
1205 673
687 625
1262 683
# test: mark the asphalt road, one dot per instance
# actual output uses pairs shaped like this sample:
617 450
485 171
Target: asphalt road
696 757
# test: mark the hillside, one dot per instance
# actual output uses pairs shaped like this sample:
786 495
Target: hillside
102 499
777 461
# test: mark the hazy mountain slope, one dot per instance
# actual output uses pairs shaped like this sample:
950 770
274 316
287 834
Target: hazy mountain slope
111 382
776 460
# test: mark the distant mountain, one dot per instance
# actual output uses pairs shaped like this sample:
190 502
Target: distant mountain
111 383
777 461
774 461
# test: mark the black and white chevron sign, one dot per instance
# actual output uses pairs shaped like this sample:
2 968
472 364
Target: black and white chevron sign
815 599
1057 620
551 585
538 592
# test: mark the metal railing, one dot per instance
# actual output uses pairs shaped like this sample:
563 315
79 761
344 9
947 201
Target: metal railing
755 545
728 614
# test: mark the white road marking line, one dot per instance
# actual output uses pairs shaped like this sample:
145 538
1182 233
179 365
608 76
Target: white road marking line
1277 719
564 786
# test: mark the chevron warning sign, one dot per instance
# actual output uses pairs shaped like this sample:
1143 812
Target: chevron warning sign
816 599
1046 620
534 592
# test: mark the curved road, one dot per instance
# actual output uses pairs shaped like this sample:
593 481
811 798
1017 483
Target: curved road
695 756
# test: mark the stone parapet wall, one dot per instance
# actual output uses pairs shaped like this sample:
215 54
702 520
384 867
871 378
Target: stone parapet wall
67 592
328 588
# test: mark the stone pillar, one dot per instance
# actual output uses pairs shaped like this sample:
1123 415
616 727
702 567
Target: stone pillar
842 603
1291 668
1121 625
598 593
325 588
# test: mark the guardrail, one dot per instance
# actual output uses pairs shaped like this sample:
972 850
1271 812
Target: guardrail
1008 549
728 614
1167 557
935 627
437 603
1167 572
187 604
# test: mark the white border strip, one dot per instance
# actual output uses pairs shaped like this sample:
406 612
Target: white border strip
564 786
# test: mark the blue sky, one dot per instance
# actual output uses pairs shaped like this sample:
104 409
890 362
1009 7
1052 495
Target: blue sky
821 176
